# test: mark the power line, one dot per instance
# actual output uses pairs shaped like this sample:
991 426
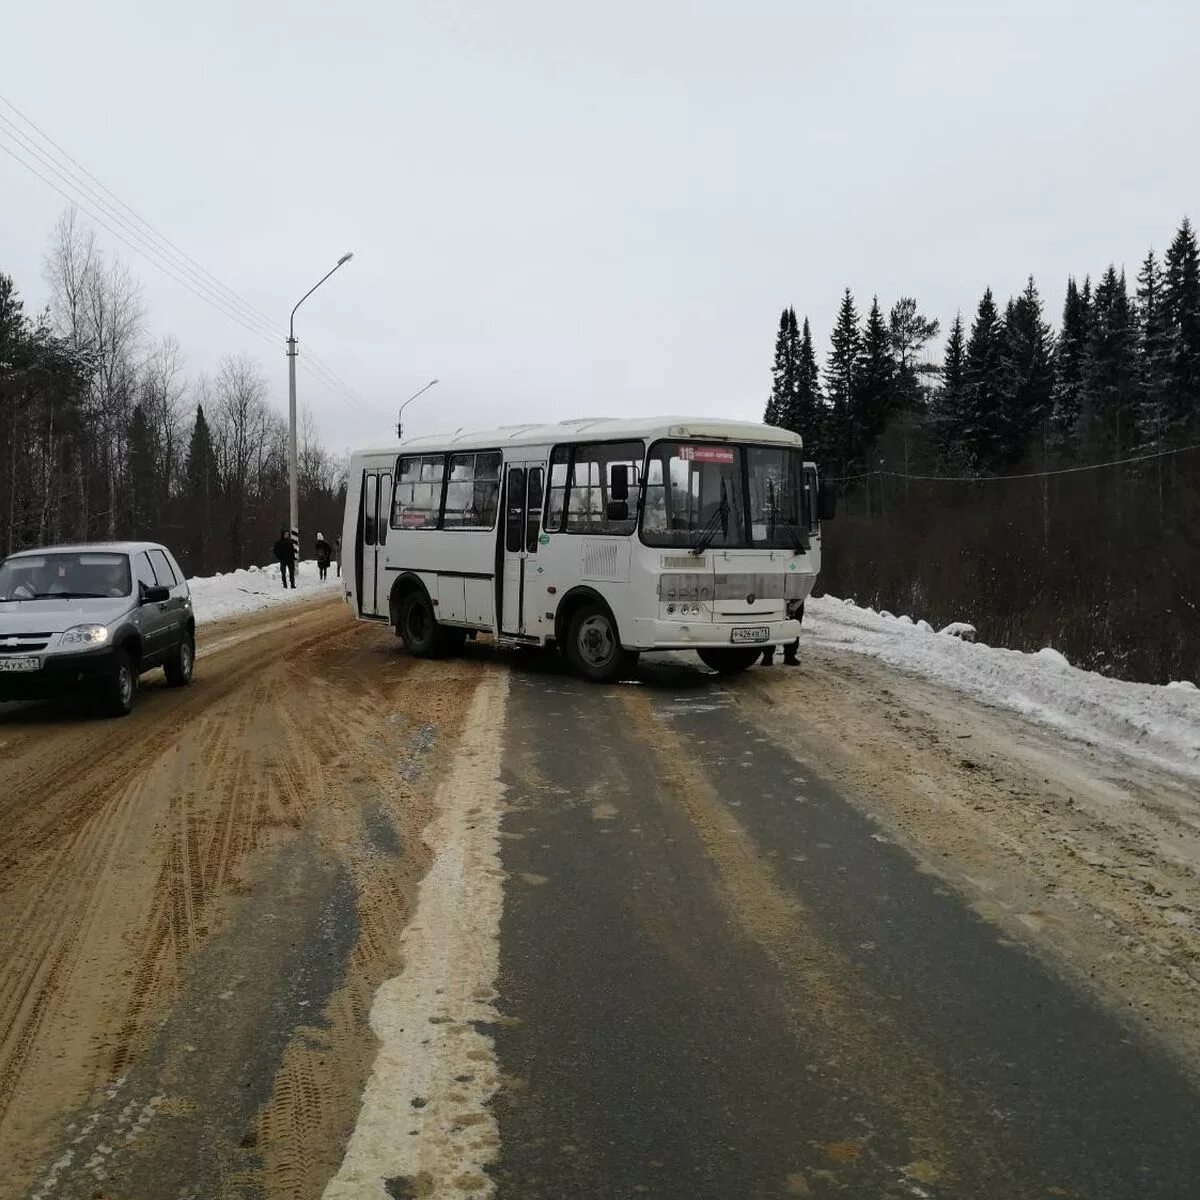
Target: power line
1117 462
137 249
167 257
315 369
232 296
82 195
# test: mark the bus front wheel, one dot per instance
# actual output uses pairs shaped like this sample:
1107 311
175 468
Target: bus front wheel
594 647
730 661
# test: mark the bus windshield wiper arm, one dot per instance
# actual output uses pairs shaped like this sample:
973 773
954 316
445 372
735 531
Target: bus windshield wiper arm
719 518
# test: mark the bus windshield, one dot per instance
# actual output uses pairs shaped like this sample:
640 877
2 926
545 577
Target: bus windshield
699 495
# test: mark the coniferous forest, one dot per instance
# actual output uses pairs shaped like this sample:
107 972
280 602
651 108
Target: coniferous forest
1041 481
104 435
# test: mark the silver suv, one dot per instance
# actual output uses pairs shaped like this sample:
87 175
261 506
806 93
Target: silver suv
93 618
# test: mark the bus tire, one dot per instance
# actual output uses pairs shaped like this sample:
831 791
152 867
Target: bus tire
417 626
594 645
730 661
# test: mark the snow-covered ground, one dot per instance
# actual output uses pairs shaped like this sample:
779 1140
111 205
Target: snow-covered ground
1160 724
217 596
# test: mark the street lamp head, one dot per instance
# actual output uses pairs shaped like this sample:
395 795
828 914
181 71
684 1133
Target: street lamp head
345 257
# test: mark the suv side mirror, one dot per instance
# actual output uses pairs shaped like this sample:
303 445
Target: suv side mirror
155 595
618 488
617 510
827 502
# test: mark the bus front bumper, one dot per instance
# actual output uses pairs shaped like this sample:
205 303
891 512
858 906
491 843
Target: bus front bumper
647 634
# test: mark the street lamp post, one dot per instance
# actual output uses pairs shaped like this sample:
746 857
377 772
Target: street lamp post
293 462
400 414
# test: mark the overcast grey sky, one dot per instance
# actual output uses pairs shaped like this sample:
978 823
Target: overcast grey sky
563 209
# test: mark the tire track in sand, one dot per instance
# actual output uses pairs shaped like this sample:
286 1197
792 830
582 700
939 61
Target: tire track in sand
100 894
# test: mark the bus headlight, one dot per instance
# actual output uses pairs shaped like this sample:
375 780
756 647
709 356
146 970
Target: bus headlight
685 586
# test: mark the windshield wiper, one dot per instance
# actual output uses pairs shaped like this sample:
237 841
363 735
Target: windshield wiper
719 518
63 596
798 543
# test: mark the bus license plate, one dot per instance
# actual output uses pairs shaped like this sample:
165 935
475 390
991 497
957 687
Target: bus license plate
750 633
20 664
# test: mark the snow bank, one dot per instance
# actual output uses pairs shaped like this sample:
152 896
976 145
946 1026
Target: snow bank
252 588
1158 724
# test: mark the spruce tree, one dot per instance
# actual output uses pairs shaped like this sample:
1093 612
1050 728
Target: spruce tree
1154 346
200 476
983 426
1109 404
874 395
805 414
1070 368
1028 376
947 405
1181 309
841 370
783 373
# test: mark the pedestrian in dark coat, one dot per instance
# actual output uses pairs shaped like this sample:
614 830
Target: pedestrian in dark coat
324 554
795 612
285 555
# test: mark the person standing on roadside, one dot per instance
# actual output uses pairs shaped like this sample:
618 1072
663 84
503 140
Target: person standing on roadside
796 613
285 553
338 552
324 554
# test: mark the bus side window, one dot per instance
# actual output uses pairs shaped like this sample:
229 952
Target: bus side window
557 492
370 484
385 506
533 511
514 509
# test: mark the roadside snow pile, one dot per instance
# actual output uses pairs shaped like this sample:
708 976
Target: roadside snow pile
1159 724
252 588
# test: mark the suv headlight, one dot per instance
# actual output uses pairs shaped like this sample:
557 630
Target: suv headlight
86 635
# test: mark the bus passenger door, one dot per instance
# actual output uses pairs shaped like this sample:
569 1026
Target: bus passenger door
522 520
374 515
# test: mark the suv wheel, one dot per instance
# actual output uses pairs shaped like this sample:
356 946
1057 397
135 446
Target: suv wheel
178 668
120 688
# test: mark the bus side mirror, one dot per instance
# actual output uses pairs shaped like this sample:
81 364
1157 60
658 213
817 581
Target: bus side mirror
617 510
618 488
827 502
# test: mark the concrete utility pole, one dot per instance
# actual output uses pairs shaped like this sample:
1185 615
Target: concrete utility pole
293 462
400 414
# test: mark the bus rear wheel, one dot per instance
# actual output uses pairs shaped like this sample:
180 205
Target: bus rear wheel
731 661
417 626
594 646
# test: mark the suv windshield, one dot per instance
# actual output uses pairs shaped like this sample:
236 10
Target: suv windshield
68 575
763 489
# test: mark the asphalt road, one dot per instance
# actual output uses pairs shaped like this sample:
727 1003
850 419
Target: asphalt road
724 981
473 927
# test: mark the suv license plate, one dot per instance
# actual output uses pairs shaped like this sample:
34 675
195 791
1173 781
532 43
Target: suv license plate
750 633
20 664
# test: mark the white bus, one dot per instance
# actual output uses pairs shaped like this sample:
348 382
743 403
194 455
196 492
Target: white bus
605 537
